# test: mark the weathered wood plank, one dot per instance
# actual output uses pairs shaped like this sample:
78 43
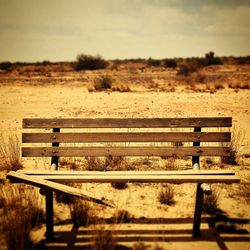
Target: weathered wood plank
105 177
128 123
169 172
124 151
46 184
126 137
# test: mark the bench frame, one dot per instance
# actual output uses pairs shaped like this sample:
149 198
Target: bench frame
196 123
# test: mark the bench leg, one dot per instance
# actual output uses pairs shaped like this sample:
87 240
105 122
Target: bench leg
198 211
49 216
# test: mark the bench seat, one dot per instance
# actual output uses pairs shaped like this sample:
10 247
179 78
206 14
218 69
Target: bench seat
186 176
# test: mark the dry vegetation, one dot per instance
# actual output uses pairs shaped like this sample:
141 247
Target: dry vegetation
21 212
10 153
208 77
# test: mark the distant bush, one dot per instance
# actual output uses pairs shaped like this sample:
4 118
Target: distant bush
169 63
154 62
89 62
210 59
6 66
187 69
242 60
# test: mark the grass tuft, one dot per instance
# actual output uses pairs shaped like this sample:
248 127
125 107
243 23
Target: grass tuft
104 83
20 214
10 154
166 195
104 240
122 216
234 146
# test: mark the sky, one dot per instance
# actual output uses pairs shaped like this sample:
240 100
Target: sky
59 30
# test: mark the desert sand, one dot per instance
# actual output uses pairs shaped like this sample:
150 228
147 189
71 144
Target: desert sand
70 95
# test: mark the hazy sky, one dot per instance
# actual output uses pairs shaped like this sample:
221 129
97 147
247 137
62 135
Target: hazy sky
58 30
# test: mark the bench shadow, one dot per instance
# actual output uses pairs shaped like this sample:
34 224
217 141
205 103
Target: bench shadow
221 229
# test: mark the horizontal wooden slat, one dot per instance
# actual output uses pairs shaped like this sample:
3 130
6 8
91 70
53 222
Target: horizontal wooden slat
46 184
149 173
129 123
124 151
126 137
105 177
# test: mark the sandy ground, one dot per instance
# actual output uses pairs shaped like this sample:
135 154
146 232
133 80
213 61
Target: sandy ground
166 226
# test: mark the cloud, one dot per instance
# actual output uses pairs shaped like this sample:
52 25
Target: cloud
60 29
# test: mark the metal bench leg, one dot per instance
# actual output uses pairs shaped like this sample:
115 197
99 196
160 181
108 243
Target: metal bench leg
198 211
49 216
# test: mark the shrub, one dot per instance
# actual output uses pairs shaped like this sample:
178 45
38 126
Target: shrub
170 63
5 66
166 195
89 62
234 146
210 59
10 154
21 213
154 62
104 83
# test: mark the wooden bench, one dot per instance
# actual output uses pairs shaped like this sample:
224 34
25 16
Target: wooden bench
115 138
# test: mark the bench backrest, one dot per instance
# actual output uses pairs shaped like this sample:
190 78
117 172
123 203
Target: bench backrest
147 138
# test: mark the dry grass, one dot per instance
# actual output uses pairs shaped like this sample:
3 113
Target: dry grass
104 240
234 146
122 216
171 164
103 83
81 212
21 212
10 153
166 195
96 164
69 163
210 204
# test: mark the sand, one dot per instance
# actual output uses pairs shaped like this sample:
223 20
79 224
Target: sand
170 226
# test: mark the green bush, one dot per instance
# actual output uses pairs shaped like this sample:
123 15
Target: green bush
89 62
